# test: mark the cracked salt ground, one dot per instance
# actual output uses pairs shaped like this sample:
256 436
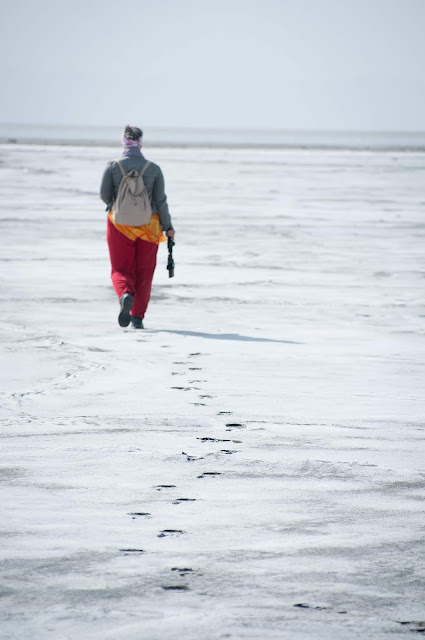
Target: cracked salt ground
296 511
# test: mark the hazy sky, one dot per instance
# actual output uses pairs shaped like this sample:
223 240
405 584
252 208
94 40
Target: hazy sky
285 64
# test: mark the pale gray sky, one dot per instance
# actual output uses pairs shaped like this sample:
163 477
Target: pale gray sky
286 64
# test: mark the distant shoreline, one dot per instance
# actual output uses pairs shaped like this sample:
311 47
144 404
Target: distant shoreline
205 138
317 146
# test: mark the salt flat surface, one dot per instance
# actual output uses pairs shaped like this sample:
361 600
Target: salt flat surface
252 464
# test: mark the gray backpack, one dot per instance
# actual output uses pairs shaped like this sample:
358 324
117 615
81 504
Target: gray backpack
132 205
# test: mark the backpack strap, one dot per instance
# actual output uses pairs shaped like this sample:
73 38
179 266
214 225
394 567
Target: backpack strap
123 172
120 166
144 168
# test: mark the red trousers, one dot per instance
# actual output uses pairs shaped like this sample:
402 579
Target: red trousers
132 267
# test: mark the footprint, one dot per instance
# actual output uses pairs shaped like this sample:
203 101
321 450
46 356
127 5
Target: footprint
225 413
202 397
229 451
169 532
159 487
209 474
192 355
180 500
175 587
186 388
133 551
137 514
195 381
303 605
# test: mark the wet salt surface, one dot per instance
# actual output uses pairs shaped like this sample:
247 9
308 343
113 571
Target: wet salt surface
250 465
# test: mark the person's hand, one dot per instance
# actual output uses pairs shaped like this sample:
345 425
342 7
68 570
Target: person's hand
170 234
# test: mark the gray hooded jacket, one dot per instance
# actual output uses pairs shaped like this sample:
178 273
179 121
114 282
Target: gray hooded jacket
154 183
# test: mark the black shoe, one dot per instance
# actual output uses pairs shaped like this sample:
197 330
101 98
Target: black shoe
126 302
137 322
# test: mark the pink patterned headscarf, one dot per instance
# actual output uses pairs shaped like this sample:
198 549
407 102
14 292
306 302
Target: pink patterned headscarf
127 143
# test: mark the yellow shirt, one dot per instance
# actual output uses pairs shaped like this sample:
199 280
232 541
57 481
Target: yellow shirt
150 232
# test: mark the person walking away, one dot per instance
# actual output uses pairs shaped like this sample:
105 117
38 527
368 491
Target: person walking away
133 249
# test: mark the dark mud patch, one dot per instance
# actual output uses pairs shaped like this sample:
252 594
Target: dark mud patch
208 439
210 474
170 532
175 587
304 605
234 425
190 458
182 571
415 626
8 474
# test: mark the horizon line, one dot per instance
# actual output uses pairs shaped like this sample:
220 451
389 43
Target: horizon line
222 129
